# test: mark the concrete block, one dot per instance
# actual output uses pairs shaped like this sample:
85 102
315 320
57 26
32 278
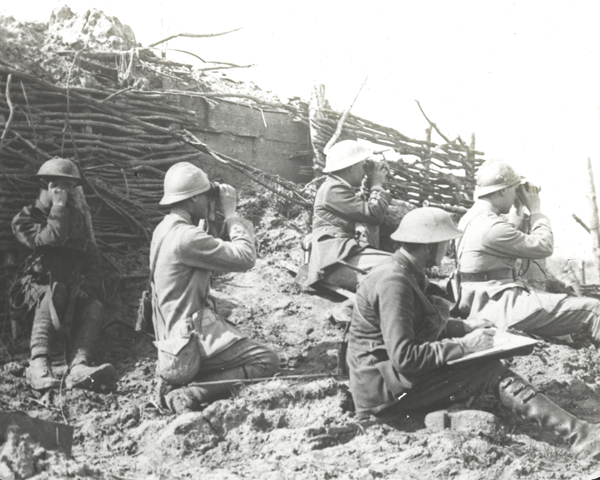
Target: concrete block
475 421
438 420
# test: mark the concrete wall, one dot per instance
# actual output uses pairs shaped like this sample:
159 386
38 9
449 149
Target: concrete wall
264 139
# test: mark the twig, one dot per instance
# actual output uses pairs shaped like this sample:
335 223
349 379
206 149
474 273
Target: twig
582 223
33 147
10 106
342 120
175 50
116 93
28 115
68 96
435 127
192 35
224 67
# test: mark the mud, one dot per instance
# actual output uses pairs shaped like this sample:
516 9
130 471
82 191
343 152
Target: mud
279 429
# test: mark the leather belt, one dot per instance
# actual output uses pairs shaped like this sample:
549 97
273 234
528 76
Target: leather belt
500 274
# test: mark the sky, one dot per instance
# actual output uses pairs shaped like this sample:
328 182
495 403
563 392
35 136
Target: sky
522 76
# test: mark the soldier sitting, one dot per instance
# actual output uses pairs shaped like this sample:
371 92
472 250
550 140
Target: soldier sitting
488 253
57 227
400 345
338 255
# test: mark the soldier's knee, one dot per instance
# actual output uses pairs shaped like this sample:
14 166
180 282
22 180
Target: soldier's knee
60 297
91 306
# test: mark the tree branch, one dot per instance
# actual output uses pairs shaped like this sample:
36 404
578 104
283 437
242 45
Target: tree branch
340 125
10 106
433 125
192 35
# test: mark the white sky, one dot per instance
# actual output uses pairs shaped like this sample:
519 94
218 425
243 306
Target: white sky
523 76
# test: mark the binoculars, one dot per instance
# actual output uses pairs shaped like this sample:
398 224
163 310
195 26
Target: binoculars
528 186
213 191
370 165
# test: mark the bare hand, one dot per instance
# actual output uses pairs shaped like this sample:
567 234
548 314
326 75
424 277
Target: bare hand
530 196
518 206
380 172
474 323
58 196
479 339
227 200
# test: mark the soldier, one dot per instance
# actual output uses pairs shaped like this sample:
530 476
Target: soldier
338 256
57 227
489 250
195 345
399 345
338 209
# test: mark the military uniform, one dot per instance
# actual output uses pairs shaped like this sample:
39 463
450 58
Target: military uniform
337 211
399 345
487 256
63 255
186 256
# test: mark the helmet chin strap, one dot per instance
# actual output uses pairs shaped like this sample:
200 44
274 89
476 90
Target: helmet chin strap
432 252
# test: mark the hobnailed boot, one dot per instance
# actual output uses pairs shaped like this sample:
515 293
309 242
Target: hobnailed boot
524 400
39 374
87 336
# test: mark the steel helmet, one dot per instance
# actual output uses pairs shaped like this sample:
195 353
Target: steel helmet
426 225
494 175
182 181
345 154
59 167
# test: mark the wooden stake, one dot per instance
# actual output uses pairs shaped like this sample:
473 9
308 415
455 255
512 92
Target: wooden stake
594 221
315 114
340 125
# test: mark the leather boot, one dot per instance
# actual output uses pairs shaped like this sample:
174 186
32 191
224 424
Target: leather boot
524 400
83 376
87 337
182 400
39 374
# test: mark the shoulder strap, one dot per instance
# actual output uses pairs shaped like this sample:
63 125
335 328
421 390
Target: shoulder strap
420 293
460 245
155 259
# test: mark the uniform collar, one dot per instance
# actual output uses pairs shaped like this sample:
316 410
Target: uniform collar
407 263
340 180
182 214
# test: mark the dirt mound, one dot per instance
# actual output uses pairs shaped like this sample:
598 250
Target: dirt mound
301 428
94 30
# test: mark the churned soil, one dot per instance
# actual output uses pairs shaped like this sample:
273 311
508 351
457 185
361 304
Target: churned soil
299 428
